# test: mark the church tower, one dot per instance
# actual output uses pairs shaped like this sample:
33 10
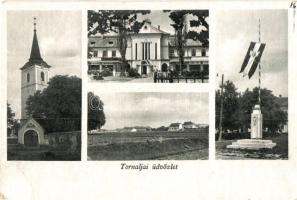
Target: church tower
35 74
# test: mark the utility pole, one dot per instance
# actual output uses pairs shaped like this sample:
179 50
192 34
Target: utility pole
259 97
221 109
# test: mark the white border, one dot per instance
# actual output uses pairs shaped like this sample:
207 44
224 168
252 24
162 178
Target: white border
213 179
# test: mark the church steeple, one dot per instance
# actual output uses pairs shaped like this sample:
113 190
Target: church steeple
35 52
35 56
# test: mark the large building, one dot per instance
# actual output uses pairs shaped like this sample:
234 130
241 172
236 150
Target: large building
149 50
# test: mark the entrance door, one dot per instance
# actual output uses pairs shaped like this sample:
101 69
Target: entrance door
143 69
31 138
164 67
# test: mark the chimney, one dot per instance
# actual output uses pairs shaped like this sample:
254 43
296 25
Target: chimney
158 27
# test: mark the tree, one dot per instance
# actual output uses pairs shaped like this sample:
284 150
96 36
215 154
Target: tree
199 21
57 107
273 116
121 22
96 116
12 124
230 106
237 108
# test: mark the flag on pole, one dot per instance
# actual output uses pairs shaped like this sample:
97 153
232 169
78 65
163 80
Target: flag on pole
252 59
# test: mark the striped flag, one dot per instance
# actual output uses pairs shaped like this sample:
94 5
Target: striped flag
252 59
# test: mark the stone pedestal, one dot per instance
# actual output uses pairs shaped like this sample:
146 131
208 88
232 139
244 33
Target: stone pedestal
256 123
252 144
256 142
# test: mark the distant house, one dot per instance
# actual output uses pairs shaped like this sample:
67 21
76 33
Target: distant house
189 125
135 129
176 127
203 125
142 128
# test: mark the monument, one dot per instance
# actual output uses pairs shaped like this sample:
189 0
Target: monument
256 142
35 76
249 66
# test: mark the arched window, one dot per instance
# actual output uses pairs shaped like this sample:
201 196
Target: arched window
28 77
42 76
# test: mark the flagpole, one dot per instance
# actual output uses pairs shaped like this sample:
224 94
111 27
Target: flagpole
259 98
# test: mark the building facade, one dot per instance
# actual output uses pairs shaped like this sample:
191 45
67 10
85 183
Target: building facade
149 50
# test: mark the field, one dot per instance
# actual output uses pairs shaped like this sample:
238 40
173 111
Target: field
151 145
278 152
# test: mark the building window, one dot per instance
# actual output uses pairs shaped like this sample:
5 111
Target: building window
171 53
193 52
28 77
110 42
95 53
149 51
156 51
135 51
203 52
114 53
104 54
42 76
92 44
145 50
142 51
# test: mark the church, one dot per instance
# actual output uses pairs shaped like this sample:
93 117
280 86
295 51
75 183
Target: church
34 77
149 50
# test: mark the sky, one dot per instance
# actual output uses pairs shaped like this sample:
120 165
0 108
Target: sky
158 17
59 38
235 30
153 109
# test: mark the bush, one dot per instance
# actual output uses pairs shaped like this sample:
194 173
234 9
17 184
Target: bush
106 72
174 74
98 76
133 73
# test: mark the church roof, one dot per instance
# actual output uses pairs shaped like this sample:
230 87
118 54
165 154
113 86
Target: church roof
35 56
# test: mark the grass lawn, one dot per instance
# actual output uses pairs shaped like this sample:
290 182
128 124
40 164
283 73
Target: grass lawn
42 153
278 152
174 149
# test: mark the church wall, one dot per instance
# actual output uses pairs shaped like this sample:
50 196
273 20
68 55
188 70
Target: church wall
26 92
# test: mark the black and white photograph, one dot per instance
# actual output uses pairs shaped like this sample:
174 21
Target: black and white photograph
43 85
152 46
147 126
252 84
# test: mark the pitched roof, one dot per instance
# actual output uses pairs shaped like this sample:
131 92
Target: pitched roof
103 41
35 56
189 42
174 124
189 123
152 28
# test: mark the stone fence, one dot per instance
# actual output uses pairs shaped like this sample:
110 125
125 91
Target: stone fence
65 141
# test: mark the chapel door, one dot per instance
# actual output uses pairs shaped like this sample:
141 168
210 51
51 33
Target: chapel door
31 138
